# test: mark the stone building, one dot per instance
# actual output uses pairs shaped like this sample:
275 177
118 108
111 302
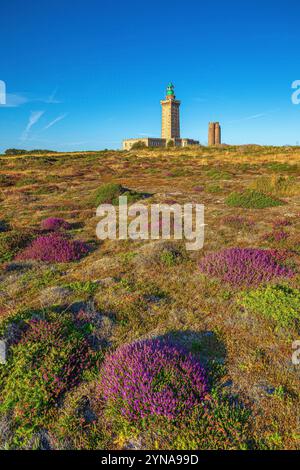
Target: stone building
214 133
170 126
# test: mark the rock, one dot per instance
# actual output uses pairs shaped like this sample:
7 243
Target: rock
6 431
55 296
107 281
12 334
39 441
133 444
103 325
85 410
263 389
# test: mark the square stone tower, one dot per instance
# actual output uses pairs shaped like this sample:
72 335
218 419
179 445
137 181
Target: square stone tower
214 133
170 125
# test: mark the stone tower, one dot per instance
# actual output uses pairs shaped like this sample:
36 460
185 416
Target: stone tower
170 127
211 133
214 133
217 133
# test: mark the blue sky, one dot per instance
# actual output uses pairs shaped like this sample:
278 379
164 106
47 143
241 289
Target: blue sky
83 75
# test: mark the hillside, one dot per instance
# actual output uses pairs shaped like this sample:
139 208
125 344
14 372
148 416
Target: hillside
236 311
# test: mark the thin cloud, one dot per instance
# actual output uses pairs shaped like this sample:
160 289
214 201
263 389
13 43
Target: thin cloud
59 118
16 99
254 116
34 117
51 99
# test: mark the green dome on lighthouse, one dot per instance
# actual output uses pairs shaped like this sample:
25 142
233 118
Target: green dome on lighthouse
170 89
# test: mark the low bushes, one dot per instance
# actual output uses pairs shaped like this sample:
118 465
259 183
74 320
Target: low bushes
152 377
280 167
281 223
109 194
244 266
159 391
4 226
251 199
217 424
55 223
278 236
162 252
277 185
238 222
214 189
277 302
54 248
216 174
49 360
13 241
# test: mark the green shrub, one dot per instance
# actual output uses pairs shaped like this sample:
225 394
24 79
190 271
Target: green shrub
27 152
280 167
219 424
109 194
13 241
278 302
214 189
26 182
277 185
216 174
170 258
48 361
139 145
83 288
251 199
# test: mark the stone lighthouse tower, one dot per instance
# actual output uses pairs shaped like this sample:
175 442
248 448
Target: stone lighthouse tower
170 126
214 133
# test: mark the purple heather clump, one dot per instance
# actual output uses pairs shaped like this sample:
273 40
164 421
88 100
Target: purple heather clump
152 377
198 189
244 266
55 223
54 247
276 236
281 223
238 221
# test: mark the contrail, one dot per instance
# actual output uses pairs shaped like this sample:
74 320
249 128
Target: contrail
59 118
33 119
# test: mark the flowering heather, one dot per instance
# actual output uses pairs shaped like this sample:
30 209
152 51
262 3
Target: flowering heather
276 236
238 221
55 223
281 223
244 266
54 248
198 189
152 377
